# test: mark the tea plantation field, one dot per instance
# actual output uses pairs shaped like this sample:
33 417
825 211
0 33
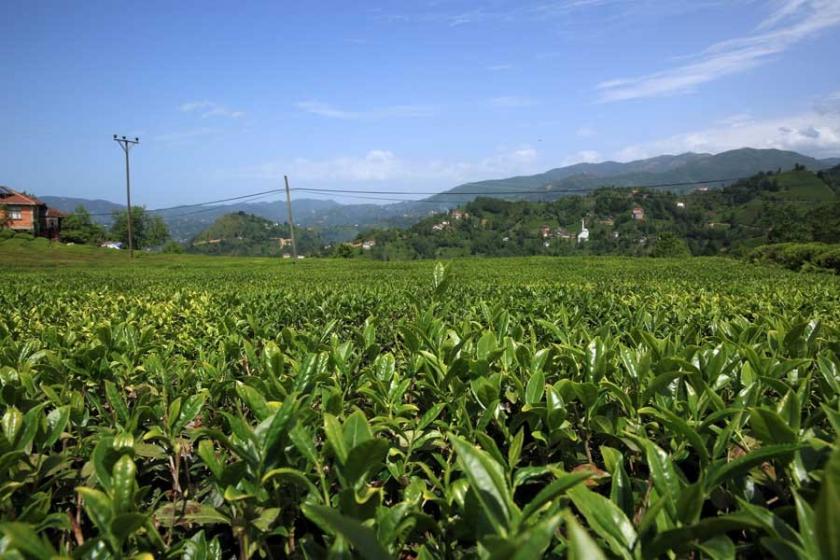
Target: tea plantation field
209 408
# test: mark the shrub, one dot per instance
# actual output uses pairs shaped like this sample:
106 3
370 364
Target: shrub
172 247
798 256
829 259
669 245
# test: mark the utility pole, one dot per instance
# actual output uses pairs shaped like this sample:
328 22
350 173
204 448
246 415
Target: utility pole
291 221
126 145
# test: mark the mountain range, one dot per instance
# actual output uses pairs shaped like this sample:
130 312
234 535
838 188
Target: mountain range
338 222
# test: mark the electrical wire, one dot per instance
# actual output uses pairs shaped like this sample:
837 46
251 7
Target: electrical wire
219 201
389 195
519 192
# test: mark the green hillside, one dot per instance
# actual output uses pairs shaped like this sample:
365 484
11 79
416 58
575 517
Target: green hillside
792 206
241 234
683 168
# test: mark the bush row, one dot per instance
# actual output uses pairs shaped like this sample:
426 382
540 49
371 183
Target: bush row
799 256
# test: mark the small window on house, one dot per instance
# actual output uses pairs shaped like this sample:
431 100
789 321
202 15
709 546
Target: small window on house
14 214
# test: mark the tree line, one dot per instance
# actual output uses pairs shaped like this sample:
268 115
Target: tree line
148 230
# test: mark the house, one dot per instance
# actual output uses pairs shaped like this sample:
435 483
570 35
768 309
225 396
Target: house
638 213
112 245
368 245
53 220
545 231
441 226
563 233
583 236
680 204
459 214
25 213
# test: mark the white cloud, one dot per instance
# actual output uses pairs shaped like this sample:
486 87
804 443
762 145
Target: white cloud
583 156
183 136
209 109
394 111
384 166
830 104
511 101
811 132
791 22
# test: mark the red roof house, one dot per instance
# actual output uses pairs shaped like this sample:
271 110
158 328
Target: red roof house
25 213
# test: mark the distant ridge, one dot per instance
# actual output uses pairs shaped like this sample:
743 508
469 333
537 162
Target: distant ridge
344 221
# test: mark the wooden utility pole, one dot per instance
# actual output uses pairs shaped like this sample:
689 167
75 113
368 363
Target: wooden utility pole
291 220
126 144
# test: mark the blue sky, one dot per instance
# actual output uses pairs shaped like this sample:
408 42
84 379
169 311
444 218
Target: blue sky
229 97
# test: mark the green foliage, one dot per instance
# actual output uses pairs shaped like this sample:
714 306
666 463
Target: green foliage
191 407
147 229
800 256
79 227
242 234
795 206
172 248
669 245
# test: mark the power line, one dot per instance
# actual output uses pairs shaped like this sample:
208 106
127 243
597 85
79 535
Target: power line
511 193
385 198
617 195
219 201
210 209
357 194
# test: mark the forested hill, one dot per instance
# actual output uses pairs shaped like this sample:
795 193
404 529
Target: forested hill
797 205
244 234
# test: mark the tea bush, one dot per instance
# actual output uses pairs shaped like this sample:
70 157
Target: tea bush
512 408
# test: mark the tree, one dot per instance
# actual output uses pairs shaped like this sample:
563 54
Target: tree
147 230
344 251
669 245
825 223
78 227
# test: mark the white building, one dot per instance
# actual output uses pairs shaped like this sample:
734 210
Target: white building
583 236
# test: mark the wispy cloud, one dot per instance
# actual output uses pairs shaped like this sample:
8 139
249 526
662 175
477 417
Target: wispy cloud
511 101
815 132
209 109
394 111
829 105
791 22
494 11
499 67
184 136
